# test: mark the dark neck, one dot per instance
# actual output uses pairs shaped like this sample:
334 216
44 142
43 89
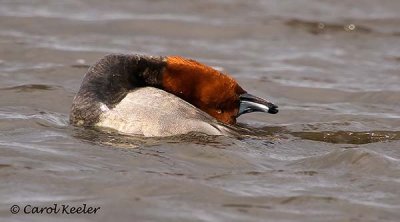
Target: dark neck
108 82
111 78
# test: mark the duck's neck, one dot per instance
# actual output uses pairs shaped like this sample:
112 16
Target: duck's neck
111 78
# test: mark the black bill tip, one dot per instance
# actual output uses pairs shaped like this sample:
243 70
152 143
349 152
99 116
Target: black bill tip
273 109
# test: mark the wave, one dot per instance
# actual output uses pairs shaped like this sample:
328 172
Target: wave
359 160
43 118
349 137
30 88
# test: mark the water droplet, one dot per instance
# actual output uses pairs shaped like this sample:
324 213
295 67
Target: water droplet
350 27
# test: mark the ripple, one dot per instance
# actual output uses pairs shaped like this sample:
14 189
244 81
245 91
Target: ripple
93 14
43 118
353 160
31 88
16 66
349 137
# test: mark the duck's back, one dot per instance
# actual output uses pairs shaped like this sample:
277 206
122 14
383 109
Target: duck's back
153 112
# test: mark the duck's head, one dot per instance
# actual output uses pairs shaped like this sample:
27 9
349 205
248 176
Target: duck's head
215 93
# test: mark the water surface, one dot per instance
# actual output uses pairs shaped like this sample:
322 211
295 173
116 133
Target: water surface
331 154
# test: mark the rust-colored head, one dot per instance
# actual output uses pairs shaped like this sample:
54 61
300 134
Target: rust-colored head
210 90
206 88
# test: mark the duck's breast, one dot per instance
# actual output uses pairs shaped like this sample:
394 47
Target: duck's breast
153 112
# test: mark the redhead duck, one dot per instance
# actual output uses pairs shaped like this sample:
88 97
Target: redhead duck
161 96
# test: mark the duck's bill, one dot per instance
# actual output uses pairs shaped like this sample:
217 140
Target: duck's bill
250 103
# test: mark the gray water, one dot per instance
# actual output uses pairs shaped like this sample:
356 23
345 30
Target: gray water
331 154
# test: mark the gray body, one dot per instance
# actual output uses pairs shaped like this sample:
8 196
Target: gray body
153 112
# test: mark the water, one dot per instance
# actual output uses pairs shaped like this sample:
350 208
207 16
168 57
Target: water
331 154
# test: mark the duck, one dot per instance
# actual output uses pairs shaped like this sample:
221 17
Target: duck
158 96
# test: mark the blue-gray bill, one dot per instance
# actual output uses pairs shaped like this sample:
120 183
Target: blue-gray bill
250 103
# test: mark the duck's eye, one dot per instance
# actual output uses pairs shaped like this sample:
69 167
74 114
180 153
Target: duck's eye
219 111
